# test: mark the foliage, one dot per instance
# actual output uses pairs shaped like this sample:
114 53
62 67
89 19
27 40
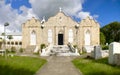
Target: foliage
112 32
37 53
10 37
75 46
0 45
104 47
13 49
21 50
20 65
7 51
102 38
42 46
96 67
3 34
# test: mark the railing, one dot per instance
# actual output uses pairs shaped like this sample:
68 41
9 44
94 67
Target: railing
46 51
36 49
72 49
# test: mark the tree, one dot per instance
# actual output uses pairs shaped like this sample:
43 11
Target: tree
3 34
102 38
112 32
10 37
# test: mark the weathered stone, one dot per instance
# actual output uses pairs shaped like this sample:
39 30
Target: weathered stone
97 52
113 49
117 59
48 32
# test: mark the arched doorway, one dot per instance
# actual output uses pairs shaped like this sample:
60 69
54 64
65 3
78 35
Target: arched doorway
60 38
87 37
33 38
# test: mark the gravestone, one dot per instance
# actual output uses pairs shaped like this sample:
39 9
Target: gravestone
97 52
114 48
117 59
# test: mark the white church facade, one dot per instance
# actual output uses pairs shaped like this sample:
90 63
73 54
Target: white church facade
57 30
60 30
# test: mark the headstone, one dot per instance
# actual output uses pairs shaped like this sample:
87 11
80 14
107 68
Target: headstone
97 52
113 49
117 59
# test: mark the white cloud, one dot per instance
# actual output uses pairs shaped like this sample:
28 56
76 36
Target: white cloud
39 8
10 15
83 15
49 8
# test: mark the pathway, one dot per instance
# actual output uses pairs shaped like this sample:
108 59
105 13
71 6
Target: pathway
58 65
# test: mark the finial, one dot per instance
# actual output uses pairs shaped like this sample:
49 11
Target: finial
60 9
43 20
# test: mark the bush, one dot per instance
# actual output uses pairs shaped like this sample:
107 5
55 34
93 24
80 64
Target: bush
105 47
42 46
13 49
7 51
75 46
21 50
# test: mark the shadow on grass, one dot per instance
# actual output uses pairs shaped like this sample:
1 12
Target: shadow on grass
102 73
6 70
105 61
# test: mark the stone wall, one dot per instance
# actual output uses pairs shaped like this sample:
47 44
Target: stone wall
60 23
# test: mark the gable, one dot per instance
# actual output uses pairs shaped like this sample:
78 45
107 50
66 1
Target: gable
89 22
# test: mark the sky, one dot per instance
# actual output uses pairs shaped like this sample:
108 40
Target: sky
16 12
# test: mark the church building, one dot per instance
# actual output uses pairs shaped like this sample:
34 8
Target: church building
60 30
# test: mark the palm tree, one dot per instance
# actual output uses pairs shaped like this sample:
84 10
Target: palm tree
10 37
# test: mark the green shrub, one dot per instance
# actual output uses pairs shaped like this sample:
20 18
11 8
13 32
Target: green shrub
37 53
75 46
7 51
42 46
21 50
13 49
105 47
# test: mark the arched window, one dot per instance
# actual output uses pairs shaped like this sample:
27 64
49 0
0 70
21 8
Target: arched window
87 37
50 36
70 35
33 38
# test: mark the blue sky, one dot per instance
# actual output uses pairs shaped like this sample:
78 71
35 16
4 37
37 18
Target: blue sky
108 10
18 11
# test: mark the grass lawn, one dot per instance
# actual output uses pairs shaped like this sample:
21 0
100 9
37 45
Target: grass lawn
20 65
96 67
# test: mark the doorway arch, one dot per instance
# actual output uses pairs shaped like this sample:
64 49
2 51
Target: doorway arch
60 37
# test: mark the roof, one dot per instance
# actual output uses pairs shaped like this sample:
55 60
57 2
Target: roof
15 33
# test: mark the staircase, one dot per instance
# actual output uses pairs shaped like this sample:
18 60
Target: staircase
30 49
62 50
